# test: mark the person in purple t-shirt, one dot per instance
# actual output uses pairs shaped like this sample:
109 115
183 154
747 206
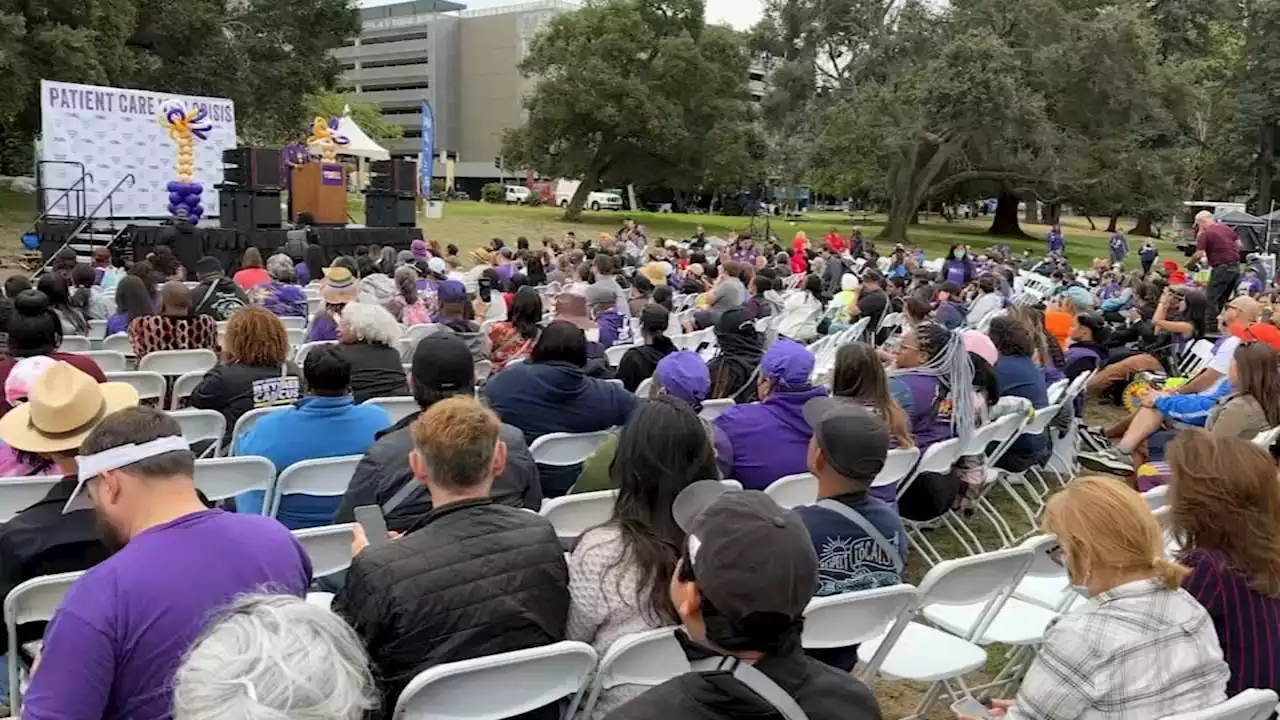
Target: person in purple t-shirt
115 643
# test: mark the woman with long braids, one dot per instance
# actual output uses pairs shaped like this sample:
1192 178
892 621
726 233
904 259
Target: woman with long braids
932 365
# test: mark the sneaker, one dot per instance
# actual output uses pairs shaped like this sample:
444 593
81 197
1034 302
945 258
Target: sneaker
1112 460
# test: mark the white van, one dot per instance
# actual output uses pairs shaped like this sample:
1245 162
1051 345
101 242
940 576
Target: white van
607 200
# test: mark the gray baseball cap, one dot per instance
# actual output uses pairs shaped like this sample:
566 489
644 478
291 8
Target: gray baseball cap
854 440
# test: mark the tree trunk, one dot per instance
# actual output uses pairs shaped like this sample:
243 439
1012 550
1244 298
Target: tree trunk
678 201
1049 213
573 213
1111 225
1032 215
1089 217
895 228
1266 169
915 218
1005 219
1144 226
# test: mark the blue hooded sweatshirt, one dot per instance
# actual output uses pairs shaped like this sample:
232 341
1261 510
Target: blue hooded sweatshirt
766 440
315 427
551 397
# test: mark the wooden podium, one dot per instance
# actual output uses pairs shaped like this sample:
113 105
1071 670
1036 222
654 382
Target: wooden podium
320 188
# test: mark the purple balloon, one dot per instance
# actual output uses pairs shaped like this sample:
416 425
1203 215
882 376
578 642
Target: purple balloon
173 186
175 198
197 189
196 212
173 209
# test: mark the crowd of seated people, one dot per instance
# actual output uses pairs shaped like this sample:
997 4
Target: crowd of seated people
169 620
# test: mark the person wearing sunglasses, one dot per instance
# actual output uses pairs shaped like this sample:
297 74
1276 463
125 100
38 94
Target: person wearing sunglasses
1140 646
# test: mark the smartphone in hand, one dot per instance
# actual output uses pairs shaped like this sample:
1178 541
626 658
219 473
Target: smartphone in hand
971 707
374 524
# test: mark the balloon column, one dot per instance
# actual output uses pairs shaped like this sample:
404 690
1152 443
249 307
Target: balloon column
185 126
325 134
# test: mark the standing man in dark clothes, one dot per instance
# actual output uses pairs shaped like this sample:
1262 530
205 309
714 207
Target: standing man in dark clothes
1217 245
746 573
183 239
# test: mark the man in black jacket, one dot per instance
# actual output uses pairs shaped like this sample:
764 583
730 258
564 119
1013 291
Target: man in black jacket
471 578
743 614
442 368
217 294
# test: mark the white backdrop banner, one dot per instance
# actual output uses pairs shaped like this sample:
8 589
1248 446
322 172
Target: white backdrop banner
115 132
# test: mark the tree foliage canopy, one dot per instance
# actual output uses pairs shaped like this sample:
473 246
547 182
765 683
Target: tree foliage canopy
638 91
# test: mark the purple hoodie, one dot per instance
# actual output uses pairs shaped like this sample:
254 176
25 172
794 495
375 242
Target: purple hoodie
323 327
766 440
918 396
615 328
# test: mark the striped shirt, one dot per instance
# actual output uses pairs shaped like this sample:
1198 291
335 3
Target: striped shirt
1248 623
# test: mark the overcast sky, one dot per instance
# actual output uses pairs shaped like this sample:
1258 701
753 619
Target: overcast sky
741 14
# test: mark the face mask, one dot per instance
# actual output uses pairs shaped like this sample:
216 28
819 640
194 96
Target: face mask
957 254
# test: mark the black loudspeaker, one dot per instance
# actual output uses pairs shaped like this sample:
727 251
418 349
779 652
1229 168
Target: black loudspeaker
246 209
257 168
389 209
396 176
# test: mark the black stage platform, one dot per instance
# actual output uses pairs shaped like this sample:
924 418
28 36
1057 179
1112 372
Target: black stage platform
229 244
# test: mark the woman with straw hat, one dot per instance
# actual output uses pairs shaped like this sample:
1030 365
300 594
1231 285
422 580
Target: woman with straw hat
337 290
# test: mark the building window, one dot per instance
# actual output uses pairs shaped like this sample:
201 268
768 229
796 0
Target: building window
415 85
395 37
394 63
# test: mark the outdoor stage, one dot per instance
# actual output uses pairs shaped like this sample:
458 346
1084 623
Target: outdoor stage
229 244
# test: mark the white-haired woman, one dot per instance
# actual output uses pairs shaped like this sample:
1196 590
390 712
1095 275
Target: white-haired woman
282 296
370 339
275 657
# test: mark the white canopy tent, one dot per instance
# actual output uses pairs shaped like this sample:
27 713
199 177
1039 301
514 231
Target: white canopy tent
359 144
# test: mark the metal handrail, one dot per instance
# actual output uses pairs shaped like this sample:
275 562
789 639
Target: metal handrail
54 204
84 222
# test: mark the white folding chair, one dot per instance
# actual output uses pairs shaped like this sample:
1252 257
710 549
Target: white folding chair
398 407
314 303
1156 497
484 369
200 425
35 600
1046 583
120 343
107 360
712 409
927 654
178 362
643 389
614 354
897 465
224 477
328 547
499 686
297 336
301 354
853 618
647 659
184 386
794 490
222 329
567 449
251 418
1196 358
19 493
325 477
1252 704
571 515
1056 390
293 323
75 344
150 385
97 330
937 459
1019 623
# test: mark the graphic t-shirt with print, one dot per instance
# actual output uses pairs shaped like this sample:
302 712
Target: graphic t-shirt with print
849 559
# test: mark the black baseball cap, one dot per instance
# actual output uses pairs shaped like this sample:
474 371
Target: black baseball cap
1101 330
853 439
441 361
753 560
654 318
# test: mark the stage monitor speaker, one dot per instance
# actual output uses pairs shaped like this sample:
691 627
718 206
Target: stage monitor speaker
396 176
257 168
389 209
245 209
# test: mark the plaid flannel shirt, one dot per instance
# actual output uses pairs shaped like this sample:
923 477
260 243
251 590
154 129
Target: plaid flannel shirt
1135 652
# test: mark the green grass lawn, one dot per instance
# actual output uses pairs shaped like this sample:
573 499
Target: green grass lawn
472 224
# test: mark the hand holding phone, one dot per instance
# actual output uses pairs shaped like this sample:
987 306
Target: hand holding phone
970 707
374 525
